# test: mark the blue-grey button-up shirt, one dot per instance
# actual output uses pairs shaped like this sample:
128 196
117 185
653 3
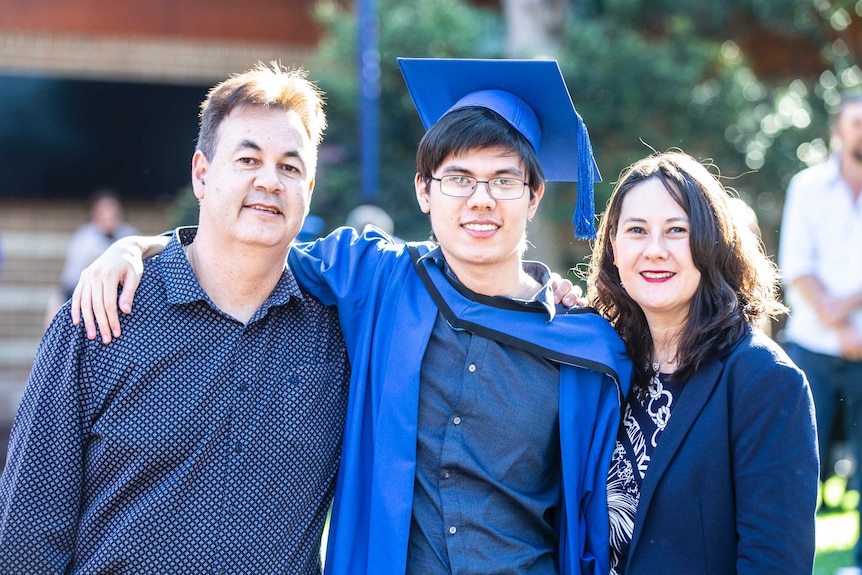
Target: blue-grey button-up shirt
193 444
488 453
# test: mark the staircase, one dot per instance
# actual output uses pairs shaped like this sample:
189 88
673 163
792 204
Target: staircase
34 235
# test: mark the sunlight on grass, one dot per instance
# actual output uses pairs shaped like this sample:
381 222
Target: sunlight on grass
837 531
834 496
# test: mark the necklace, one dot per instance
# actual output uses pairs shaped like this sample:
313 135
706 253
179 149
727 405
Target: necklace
654 381
669 364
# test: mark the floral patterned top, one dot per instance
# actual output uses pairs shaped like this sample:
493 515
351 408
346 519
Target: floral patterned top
645 417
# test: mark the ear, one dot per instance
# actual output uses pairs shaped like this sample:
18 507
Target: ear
421 186
535 200
200 167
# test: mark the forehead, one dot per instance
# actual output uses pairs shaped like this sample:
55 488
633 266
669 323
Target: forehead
489 155
650 198
274 127
851 111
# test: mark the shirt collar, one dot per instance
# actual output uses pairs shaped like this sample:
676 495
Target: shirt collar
833 167
183 287
543 300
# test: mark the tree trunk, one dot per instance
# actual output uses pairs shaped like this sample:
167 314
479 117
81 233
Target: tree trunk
535 27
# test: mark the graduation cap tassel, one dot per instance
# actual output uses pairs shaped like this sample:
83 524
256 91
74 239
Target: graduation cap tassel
585 215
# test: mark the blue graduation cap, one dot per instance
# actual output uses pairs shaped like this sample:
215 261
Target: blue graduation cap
532 96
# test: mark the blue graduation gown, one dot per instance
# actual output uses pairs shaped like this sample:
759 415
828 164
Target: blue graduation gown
387 315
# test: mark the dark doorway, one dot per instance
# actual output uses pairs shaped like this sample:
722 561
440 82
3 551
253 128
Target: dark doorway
62 138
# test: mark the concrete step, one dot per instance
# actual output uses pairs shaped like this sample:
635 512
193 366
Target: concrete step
33 257
33 244
17 323
17 299
36 215
19 351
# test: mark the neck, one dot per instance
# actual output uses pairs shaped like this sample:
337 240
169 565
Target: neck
237 278
664 350
511 281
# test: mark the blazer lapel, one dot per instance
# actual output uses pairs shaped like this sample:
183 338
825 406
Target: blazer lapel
690 403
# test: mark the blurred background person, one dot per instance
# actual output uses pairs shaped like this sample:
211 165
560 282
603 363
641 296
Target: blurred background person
312 228
107 224
820 256
369 214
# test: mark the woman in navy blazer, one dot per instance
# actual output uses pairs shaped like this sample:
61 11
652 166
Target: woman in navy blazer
715 469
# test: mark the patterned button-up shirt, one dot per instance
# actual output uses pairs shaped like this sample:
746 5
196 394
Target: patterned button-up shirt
193 444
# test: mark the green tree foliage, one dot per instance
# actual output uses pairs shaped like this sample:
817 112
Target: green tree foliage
408 28
708 77
644 74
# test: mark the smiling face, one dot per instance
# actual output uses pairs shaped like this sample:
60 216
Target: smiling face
652 252
257 186
478 234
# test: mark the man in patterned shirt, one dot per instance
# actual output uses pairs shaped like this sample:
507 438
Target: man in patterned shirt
208 438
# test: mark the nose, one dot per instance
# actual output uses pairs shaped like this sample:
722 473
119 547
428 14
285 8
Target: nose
656 247
481 196
267 179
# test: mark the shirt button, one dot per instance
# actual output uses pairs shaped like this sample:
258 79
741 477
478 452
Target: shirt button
445 474
471 368
243 387
456 420
232 509
452 530
237 448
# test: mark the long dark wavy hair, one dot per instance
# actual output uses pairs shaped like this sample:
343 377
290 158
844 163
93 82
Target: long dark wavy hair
738 286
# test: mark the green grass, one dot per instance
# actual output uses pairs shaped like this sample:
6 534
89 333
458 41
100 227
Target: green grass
837 527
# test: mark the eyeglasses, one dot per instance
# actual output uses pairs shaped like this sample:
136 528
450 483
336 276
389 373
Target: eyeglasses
464 186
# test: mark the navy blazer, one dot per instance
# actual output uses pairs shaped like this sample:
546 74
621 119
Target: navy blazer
732 484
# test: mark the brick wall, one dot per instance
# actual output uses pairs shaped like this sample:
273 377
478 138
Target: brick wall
168 60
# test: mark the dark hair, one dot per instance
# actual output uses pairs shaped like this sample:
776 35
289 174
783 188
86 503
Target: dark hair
273 86
738 286
104 193
474 128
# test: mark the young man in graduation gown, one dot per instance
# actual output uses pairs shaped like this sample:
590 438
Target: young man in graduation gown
481 417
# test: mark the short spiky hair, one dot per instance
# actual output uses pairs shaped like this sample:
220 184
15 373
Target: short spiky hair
273 86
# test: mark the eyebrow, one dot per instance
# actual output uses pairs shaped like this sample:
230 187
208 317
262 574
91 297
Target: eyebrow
674 219
251 144
507 170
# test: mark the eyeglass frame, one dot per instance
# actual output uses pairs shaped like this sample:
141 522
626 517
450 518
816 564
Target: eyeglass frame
487 185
